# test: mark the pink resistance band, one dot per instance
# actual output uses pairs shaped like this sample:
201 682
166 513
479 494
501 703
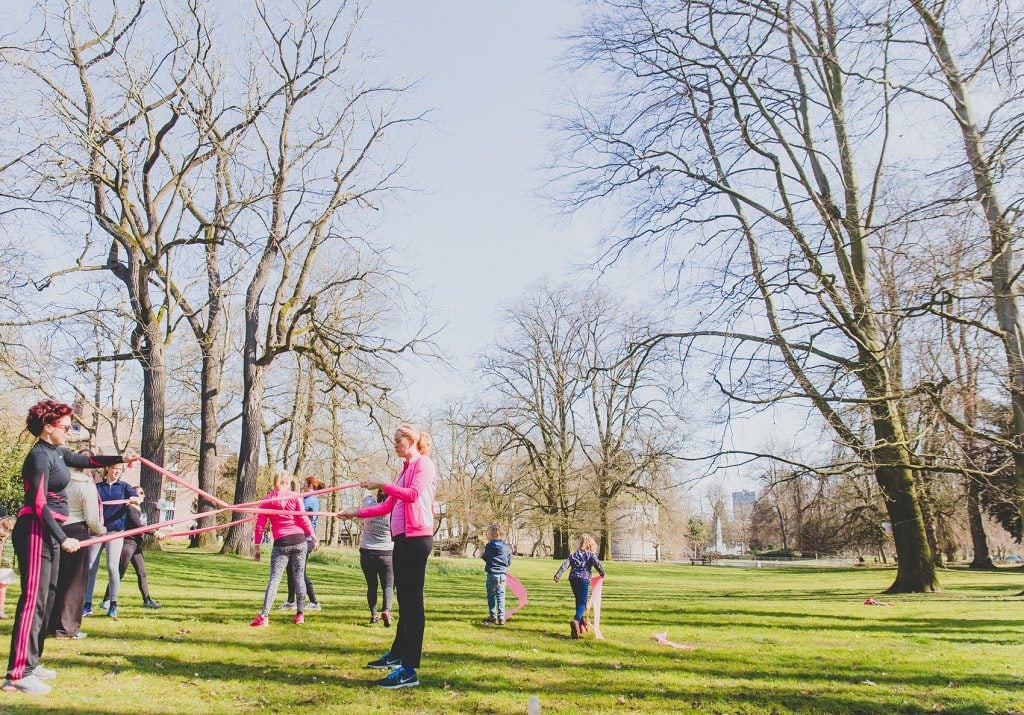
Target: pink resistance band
204 529
245 508
594 601
519 591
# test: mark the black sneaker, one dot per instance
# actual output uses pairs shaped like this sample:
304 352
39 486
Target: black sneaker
490 620
400 678
385 662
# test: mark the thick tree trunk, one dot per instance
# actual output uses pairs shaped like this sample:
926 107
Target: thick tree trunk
979 540
209 464
238 540
915 570
605 549
560 542
928 519
152 446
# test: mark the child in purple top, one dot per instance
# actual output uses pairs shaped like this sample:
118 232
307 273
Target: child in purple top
580 563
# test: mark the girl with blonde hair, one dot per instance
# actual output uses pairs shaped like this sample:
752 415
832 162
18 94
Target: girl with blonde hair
290 534
580 561
410 501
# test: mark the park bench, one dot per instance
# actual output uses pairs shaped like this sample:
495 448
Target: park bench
702 560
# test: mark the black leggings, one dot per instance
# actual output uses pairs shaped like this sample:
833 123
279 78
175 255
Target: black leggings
310 593
376 567
410 562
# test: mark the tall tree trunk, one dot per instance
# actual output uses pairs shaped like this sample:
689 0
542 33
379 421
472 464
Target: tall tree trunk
152 447
982 559
928 519
238 540
604 516
209 464
560 541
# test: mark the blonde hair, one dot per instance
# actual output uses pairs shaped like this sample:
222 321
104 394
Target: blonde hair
420 438
7 526
494 531
586 543
282 479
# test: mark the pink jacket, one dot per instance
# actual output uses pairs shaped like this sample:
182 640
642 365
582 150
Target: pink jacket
414 488
283 524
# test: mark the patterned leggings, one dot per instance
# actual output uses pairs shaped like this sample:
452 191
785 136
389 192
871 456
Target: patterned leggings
294 557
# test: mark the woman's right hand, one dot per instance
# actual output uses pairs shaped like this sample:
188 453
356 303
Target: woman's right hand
256 556
71 545
348 514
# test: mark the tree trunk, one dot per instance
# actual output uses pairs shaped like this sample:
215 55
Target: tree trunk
928 519
982 559
209 465
238 540
560 542
915 571
605 549
152 447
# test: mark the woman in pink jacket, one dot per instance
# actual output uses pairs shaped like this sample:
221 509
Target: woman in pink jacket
410 501
289 531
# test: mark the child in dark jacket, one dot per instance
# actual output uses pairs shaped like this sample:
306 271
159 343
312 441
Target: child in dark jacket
580 562
497 558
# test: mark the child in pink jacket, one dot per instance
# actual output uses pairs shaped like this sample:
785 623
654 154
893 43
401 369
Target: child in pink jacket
290 532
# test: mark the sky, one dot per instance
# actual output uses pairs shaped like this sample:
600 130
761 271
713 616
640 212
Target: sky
482 229
477 231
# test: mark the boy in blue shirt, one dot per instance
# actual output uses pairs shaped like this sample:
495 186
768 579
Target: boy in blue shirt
497 558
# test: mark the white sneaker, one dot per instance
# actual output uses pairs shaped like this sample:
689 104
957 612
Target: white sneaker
30 685
313 606
105 605
44 673
286 606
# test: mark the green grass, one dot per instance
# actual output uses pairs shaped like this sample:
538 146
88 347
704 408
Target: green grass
769 640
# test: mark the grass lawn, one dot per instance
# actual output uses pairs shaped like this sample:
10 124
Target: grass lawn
769 640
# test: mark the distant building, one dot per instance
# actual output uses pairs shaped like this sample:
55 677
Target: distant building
635 532
743 502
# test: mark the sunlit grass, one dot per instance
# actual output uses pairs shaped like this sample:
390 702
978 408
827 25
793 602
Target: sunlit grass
782 640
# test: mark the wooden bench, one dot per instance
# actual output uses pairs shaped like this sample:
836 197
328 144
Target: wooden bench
702 560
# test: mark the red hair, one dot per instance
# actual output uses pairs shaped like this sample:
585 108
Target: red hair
314 483
46 412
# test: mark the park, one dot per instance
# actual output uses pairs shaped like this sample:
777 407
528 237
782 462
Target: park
795 640
645 355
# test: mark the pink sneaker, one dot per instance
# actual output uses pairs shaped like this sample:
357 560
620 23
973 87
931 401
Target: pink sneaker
260 621
299 619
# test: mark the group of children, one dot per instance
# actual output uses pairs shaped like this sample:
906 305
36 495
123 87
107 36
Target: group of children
497 558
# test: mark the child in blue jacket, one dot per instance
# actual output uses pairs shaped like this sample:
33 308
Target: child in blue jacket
497 558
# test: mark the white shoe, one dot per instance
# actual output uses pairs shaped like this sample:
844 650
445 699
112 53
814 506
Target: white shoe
313 606
30 685
105 605
286 606
44 673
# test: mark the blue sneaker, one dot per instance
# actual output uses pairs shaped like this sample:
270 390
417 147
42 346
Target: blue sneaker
112 612
87 610
401 678
385 662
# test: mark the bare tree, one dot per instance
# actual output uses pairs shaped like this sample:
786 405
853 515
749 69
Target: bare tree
536 371
740 131
991 42
310 291
631 433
